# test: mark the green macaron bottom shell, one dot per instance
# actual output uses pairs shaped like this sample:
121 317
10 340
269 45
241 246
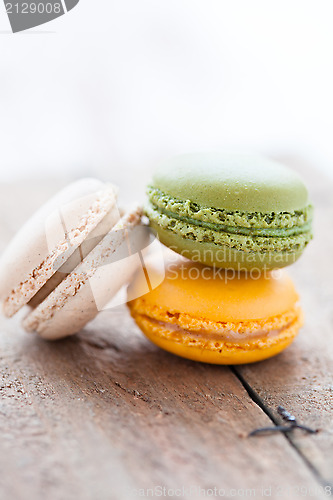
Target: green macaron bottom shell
222 256
227 238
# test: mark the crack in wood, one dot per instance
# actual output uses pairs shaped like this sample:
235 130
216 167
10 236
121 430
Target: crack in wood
275 420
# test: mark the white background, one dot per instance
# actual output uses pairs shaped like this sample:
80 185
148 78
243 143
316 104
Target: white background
116 85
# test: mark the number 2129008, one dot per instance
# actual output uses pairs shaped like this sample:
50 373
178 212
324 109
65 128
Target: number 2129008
33 8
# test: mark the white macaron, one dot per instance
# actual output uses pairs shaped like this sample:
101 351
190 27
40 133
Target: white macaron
69 260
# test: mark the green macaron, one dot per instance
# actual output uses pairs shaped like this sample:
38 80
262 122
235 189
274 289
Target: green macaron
231 211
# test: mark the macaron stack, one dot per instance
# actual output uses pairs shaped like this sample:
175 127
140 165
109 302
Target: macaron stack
226 213
232 221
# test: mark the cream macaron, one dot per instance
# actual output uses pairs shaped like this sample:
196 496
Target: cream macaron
67 262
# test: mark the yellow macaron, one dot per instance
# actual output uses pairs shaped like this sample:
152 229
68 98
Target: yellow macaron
214 315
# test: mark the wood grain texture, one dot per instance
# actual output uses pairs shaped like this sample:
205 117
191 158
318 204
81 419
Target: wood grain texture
106 414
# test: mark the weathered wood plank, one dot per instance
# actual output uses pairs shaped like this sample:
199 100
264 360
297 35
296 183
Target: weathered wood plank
107 413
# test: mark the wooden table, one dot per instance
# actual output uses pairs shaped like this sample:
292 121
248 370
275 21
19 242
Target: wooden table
107 415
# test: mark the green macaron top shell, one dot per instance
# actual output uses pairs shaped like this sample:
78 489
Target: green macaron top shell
232 182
